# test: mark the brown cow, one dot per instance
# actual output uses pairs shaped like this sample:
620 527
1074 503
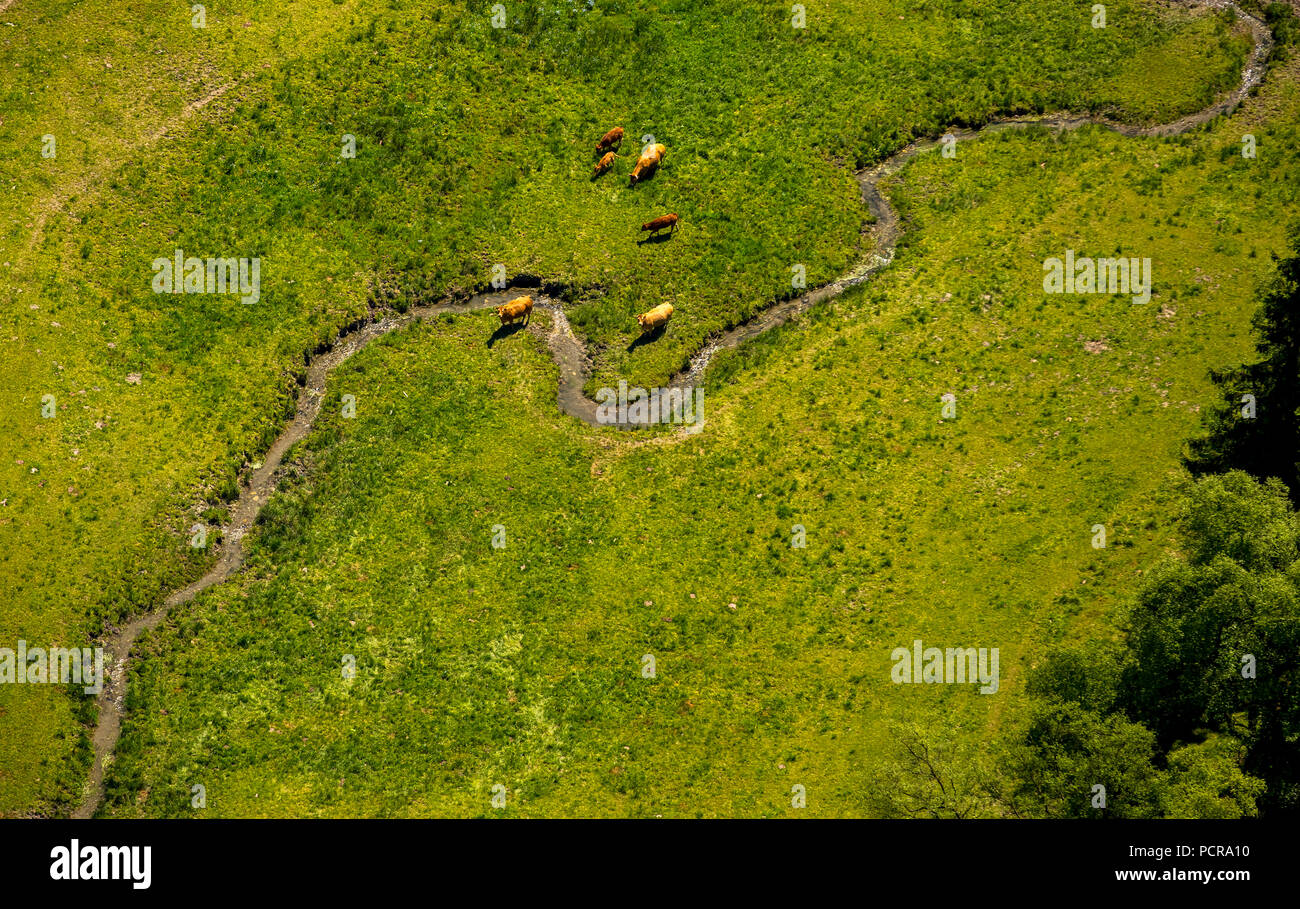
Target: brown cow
659 223
611 139
604 164
518 308
655 318
648 162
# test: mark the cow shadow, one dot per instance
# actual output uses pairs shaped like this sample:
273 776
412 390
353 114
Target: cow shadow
503 332
633 184
648 337
655 238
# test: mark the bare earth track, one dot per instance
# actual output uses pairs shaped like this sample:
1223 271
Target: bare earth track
571 358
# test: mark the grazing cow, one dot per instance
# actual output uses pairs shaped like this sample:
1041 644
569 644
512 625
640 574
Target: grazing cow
604 164
659 223
646 164
655 318
518 308
612 139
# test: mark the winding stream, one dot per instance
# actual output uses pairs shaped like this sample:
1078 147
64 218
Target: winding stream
573 363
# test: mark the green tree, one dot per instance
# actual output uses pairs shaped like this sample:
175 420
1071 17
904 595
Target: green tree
929 776
1214 640
1206 781
1088 677
1067 751
1197 712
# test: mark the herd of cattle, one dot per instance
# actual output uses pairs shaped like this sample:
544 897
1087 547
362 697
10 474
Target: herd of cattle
646 165
651 156
656 318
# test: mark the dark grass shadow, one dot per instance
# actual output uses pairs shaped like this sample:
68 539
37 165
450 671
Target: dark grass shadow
655 238
648 337
504 331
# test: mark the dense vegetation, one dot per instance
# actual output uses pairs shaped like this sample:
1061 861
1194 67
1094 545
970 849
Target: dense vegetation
1199 714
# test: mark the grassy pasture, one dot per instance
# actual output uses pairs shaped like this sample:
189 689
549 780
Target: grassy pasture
93 515
474 148
522 667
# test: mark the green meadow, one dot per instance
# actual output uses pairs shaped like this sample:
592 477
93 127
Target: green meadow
523 667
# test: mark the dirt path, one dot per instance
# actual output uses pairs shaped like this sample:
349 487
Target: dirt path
573 363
